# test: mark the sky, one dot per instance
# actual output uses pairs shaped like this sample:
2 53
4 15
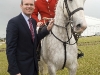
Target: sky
11 8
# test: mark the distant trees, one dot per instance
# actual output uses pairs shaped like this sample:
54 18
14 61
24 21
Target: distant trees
2 39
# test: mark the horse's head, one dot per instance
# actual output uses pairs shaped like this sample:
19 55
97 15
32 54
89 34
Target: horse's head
73 9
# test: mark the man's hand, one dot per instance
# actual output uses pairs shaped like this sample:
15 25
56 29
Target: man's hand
50 25
18 74
39 24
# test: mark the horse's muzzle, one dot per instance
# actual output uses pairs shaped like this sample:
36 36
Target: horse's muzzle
79 28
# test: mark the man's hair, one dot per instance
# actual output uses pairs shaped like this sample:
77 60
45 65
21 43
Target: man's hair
22 2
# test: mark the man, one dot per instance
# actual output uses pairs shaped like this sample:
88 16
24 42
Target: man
46 9
22 40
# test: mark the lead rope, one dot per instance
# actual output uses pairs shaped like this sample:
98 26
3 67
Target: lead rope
64 44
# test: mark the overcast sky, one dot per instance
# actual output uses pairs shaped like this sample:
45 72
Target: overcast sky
11 8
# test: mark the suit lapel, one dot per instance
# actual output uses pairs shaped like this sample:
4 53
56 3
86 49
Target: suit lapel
25 25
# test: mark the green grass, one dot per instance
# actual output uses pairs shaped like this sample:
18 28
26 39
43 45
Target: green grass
3 64
3 61
88 65
89 39
2 46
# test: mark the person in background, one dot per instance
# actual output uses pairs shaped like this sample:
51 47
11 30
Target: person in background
46 9
22 40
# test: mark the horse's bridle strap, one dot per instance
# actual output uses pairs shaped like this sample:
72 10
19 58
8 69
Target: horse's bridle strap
69 12
76 11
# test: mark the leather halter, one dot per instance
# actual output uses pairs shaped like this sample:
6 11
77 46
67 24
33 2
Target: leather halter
69 12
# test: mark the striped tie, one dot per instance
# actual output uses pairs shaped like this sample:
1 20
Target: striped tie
31 28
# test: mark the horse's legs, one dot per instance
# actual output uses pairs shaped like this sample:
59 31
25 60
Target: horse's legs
51 69
72 69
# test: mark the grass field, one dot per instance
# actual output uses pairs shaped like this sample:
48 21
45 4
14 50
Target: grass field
88 65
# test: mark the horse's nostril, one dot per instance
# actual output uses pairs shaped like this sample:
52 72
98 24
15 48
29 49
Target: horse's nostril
79 25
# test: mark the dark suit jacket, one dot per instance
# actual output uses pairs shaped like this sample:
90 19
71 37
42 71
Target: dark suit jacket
21 50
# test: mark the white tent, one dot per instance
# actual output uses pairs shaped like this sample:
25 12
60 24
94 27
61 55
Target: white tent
93 26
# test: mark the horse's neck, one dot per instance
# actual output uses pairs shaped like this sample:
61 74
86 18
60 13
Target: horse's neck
61 20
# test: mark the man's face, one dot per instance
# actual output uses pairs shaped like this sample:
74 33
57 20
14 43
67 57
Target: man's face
27 7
